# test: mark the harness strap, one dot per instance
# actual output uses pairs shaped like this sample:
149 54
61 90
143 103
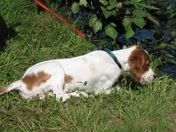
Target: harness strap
113 57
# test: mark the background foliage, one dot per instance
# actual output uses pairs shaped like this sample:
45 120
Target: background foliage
149 23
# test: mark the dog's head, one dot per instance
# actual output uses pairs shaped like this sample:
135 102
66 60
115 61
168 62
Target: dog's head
139 62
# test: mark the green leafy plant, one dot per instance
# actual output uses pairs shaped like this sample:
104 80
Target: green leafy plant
117 18
163 47
107 14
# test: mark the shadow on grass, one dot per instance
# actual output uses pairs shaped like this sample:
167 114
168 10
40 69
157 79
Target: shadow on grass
129 82
5 33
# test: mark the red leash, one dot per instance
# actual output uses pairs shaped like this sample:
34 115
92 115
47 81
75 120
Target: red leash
60 18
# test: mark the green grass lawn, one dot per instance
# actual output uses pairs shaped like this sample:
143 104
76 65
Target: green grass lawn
33 37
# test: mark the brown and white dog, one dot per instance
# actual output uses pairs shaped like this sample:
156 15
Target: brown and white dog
94 72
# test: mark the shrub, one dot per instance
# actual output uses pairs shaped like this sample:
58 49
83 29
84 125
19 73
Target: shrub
150 23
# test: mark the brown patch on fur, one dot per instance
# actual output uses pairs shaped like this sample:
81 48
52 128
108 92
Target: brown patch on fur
35 79
68 78
139 62
3 90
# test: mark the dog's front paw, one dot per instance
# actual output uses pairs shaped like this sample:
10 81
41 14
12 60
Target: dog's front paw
63 97
78 93
84 94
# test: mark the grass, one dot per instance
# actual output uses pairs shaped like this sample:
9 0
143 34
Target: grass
33 37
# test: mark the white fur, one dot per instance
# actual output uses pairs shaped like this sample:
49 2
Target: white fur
147 77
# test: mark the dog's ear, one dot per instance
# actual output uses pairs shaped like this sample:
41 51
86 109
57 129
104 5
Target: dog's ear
139 62
135 65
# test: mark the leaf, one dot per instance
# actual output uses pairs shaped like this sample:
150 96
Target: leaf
119 5
173 35
171 46
127 25
104 2
139 13
169 55
75 7
128 12
169 7
171 23
153 20
126 21
113 24
161 46
83 2
135 1
92 20
111 31
97 26
139 21
107 13
129 32
170 60
113 4
148 6
110 7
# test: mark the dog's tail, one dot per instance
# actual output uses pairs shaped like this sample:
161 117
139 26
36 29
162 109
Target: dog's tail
10 87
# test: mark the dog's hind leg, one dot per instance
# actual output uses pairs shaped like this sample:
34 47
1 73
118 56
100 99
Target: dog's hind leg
58 80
